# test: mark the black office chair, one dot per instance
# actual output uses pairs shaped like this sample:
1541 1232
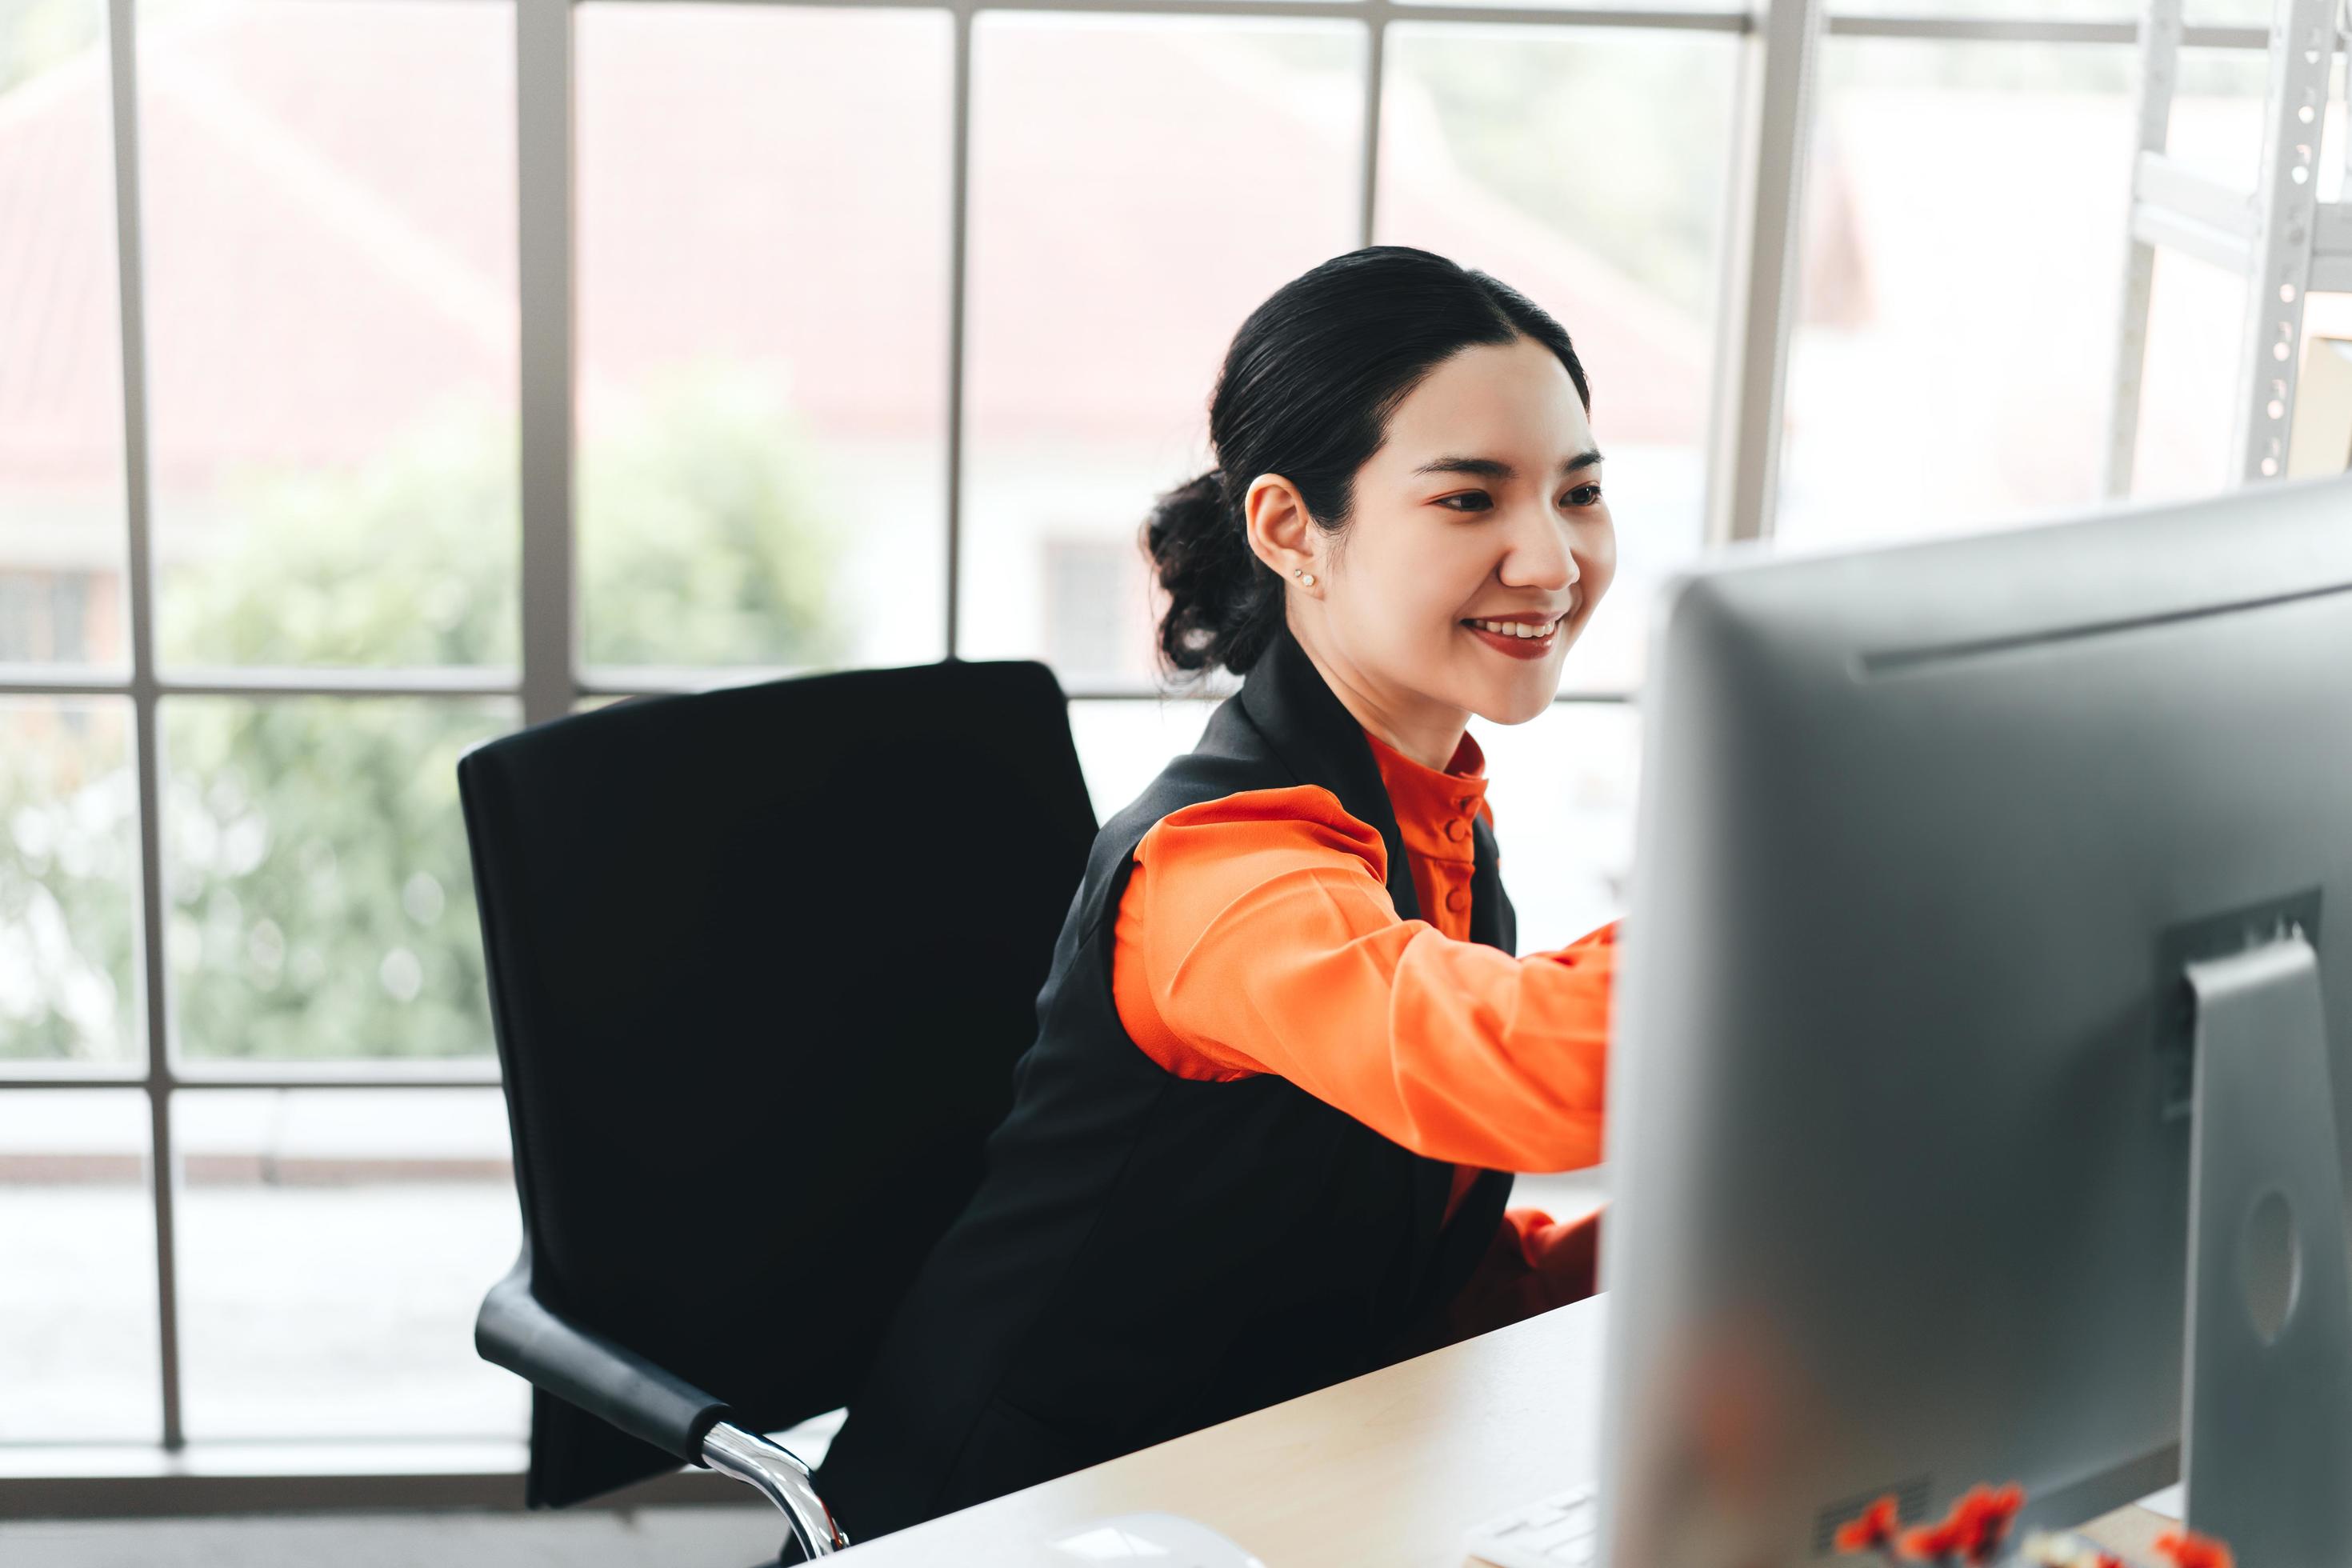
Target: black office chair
760 961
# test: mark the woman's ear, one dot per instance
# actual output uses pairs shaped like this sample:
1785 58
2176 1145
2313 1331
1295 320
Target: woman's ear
1281 533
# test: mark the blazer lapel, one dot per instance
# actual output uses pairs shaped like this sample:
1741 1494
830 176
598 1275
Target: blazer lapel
1306 725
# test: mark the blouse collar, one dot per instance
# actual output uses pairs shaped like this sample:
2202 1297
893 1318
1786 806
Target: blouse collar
1435 808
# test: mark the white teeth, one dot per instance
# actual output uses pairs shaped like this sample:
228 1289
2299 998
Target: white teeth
1524 629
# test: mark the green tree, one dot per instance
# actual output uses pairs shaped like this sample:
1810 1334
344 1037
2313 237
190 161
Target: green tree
700 541
36 35
1556 124
69 847
320 901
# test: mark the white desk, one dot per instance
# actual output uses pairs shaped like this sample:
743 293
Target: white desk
1390 1468
1385 1470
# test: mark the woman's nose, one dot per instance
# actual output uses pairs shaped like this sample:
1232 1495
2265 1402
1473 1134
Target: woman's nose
1540 558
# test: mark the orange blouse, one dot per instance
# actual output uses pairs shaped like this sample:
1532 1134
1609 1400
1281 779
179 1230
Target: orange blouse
1256 934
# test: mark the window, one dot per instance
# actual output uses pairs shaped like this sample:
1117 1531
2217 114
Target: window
69 992
78 1346
1931 340
330 313
62 491
1562 795
1585 167
763 292
878 330
335 1245
1137 185
330 543
321 903
44 616
1098 607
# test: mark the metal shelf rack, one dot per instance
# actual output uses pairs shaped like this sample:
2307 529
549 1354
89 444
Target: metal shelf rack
2279 236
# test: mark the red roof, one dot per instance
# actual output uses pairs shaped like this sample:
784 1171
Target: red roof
326 259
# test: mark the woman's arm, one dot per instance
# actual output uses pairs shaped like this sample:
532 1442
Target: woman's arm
1255 935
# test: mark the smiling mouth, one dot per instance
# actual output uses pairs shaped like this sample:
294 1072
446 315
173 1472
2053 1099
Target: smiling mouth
1525 631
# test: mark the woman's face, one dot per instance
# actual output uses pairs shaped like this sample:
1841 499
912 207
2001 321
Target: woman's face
1477 548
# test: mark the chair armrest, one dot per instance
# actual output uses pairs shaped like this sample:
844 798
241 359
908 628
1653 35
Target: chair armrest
778 1474
581 1367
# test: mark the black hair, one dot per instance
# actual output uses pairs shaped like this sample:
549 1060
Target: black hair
1307 391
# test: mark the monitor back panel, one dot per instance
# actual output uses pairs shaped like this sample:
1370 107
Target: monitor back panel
1899 1120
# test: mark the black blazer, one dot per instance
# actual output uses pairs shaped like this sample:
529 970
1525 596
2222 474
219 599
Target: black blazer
1148 1255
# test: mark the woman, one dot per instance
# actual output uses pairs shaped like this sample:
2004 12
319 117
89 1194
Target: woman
1284 1055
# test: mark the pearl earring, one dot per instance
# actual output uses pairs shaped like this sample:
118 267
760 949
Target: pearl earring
1303 575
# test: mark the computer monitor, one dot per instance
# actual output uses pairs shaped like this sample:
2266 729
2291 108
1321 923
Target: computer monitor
1993 902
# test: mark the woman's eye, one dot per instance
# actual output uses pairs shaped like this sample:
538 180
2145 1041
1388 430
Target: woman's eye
1480 501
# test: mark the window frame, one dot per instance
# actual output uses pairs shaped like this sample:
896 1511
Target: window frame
1779 44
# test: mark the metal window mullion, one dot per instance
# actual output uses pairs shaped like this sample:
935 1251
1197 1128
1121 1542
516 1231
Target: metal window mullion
2022 30
1951 29
959 248
2159 60
1762 251
121 44
290 1080
545 355
353 683
1441 11
1376 21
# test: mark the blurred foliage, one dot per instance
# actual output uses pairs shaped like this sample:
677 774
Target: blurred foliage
321 900
699 541
1619 142
36 35
69 849
408 559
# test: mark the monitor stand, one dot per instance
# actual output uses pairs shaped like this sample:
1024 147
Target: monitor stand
2266 1416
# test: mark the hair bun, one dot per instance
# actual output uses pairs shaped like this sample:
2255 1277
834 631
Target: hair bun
1198 552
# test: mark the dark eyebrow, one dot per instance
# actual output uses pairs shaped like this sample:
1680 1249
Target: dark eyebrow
1496 469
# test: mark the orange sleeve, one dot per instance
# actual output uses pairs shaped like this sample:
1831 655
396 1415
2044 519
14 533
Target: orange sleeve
1255 935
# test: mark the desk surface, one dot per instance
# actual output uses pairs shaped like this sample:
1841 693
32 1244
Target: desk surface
1385 1469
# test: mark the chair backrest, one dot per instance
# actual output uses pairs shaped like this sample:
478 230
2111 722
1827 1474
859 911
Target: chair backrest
761 962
